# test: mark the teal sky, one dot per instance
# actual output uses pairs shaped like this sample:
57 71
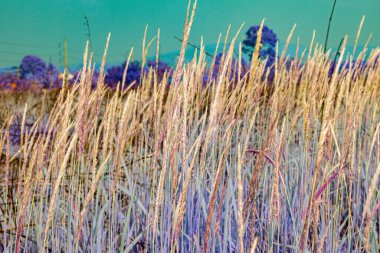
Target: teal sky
40 26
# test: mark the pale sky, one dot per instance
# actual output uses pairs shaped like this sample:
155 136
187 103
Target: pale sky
39 26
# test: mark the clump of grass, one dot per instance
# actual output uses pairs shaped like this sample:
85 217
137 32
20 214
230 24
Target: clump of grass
236 165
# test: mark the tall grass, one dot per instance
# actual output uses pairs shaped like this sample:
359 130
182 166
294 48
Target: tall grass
236 165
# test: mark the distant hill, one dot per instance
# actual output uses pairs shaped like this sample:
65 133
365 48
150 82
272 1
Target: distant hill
171 57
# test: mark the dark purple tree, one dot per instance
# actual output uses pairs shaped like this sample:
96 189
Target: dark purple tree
33 68
267 50
268 42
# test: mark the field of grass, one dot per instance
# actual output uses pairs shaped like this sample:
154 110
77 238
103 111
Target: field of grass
236 165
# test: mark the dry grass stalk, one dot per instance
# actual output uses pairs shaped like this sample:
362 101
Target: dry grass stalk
27 190
367 214
240 202
275 195
186 33
220 207
89 197
214 189
7 158
181 206
176 79
160 190
52 205
321 150
255 55
240 182
373 186
358 35
322 242
283 54
254 245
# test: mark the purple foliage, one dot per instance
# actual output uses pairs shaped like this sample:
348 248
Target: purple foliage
359 66
114 74
12 81
269 54
35 69
76 77
161 68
